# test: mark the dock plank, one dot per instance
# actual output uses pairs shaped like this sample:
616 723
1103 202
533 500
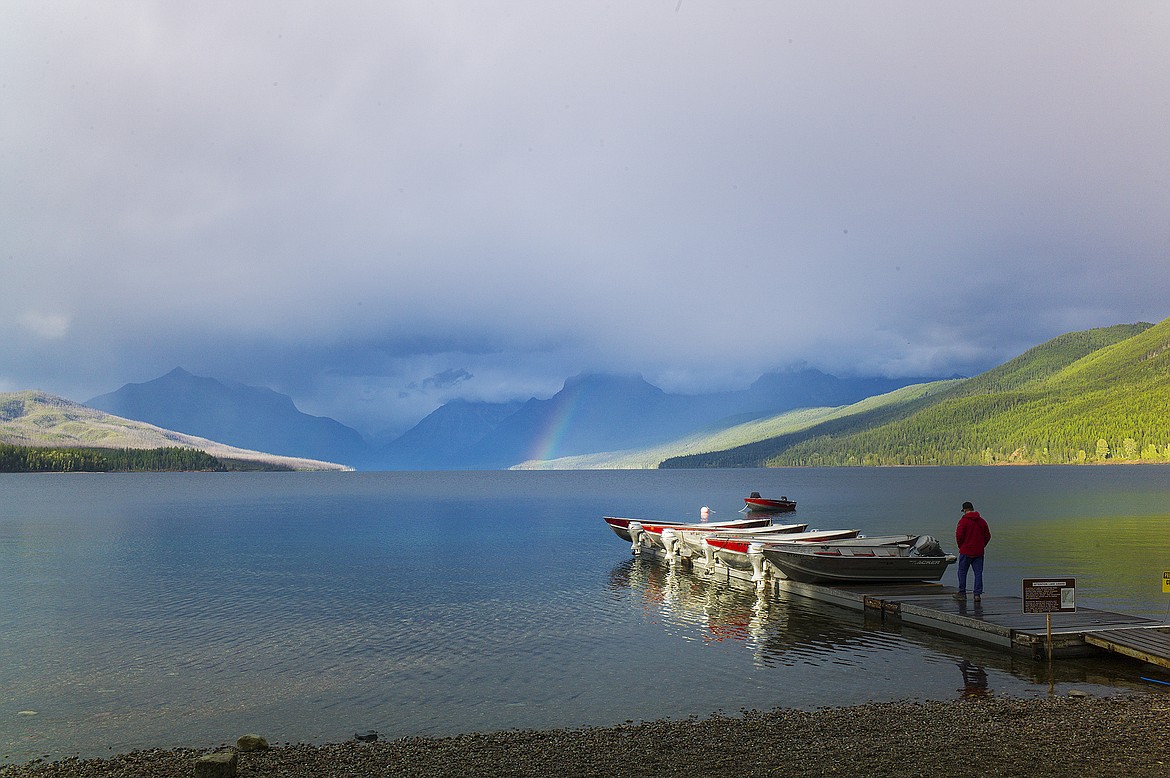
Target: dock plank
1148 645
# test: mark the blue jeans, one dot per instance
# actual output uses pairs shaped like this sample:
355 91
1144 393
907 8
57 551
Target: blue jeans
975 563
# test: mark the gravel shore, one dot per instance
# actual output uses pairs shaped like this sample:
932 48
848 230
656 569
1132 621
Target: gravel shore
1085 737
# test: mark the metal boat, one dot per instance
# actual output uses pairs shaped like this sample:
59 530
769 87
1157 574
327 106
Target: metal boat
920 559
621 525
692 542
737 550
659 535
758 504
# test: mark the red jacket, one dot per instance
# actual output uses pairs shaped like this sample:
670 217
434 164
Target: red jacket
972 534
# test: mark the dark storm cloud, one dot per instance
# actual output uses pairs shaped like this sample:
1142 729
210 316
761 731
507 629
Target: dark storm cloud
440 381
345 202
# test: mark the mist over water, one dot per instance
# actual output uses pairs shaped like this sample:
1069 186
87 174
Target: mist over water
148 610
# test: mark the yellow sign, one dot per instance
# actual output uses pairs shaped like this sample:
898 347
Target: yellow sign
1166 580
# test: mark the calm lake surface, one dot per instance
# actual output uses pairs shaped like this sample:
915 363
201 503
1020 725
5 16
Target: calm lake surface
141 610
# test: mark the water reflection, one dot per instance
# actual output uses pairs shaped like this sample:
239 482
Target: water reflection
779 630
301 603
786 630
1117 560
974 679
680 600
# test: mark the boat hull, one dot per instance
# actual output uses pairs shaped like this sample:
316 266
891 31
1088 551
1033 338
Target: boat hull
653 531
826 564
764 505
621 526
734 551
692 542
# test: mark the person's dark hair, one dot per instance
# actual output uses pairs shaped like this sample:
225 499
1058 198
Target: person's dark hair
968 506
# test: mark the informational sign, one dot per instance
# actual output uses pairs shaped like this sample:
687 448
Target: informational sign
1166 581
1050 595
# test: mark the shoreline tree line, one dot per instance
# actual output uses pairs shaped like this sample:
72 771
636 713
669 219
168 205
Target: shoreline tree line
29 459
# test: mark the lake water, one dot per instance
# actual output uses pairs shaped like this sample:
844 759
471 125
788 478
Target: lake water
141 610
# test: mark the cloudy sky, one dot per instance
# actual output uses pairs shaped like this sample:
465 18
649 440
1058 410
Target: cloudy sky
378 206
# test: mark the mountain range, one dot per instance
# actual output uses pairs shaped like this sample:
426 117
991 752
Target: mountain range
245 416
1091 396
592 412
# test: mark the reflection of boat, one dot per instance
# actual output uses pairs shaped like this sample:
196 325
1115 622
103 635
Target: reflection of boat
758 504
919 560
621 526
779 631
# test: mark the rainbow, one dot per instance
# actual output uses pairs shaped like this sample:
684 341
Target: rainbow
549 439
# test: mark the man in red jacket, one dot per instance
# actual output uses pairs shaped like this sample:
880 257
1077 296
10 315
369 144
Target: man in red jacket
972 535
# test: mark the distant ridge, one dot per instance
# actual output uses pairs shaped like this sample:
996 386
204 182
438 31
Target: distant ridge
37 419
594 413
439 439
235 414
591 413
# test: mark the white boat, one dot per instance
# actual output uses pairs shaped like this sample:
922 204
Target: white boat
876 540
666 536
692 542
641 531
621 526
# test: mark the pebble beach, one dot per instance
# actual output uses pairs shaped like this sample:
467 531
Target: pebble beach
981 736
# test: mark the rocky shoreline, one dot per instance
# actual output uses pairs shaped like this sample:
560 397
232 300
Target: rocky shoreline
1106 737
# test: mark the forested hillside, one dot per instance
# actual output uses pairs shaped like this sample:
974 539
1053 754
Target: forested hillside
740 437
1086 397
39 432
24 459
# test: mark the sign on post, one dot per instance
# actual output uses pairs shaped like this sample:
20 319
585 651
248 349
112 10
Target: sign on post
1166 581
1050 595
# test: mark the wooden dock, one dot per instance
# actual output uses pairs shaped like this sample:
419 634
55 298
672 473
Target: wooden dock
996 621
1147 645
1000 621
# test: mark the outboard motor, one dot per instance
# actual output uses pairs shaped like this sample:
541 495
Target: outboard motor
670 542
709 556
926 545
756 557
635 530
